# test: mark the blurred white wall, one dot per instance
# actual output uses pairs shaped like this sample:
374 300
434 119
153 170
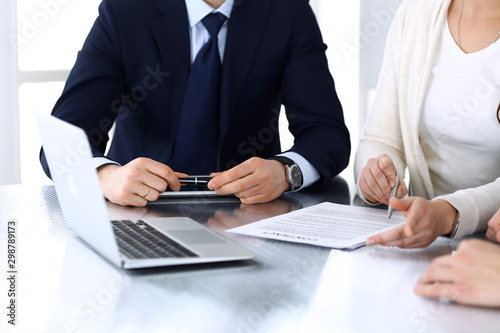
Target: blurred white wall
9 123
339 22
375 19
355 32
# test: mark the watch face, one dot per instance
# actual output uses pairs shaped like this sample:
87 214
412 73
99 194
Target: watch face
295 176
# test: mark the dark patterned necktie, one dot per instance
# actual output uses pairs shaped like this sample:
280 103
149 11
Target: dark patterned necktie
196 146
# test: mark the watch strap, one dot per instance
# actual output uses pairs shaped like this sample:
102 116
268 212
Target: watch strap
283 159
289 163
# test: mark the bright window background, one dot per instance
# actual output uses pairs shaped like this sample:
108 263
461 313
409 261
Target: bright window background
339 23
51 32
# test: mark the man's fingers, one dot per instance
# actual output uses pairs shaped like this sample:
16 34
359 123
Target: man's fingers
236 186
252 191
258 193
130 199
180 174
144 193
155 174
230 176
254 181
150 180
215 174
152 194
137 182
164 172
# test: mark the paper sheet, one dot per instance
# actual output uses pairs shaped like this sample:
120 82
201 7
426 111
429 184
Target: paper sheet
326 224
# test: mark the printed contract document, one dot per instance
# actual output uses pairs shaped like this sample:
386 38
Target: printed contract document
326 224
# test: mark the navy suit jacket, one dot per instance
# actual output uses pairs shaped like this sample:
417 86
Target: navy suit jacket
135 63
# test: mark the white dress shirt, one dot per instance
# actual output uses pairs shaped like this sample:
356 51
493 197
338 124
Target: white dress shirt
197 10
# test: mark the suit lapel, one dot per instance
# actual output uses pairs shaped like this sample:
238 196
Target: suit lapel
246 28
172 36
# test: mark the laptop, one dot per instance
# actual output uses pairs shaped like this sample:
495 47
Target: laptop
130 244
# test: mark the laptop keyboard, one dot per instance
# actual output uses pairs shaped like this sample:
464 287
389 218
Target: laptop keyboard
139 240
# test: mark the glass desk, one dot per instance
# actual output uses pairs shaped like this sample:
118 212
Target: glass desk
64 286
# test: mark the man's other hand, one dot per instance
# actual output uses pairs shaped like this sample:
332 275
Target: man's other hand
137 182
254 181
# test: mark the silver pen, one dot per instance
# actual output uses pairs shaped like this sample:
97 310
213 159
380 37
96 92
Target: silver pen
394 192
195 180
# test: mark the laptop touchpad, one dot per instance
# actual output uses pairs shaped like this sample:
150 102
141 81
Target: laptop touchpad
196 236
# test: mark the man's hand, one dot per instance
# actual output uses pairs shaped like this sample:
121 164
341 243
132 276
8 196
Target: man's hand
493 233
377 179
469 277
253 181
137 182
425 221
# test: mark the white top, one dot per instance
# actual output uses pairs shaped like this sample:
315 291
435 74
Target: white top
394 124
459 130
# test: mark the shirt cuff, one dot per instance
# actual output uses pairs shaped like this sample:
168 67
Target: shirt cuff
100 161
309 173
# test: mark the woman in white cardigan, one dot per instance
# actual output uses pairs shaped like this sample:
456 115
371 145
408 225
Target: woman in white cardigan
436 114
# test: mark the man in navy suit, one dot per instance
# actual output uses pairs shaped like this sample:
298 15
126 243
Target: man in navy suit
133 71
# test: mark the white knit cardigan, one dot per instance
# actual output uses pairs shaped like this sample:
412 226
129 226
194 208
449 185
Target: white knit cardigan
393 124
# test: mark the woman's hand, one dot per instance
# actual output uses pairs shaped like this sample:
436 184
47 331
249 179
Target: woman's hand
493 233
377 179
469 277
425 221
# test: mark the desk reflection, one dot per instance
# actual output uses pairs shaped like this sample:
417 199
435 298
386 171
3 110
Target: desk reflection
245 214
222 213
219 214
